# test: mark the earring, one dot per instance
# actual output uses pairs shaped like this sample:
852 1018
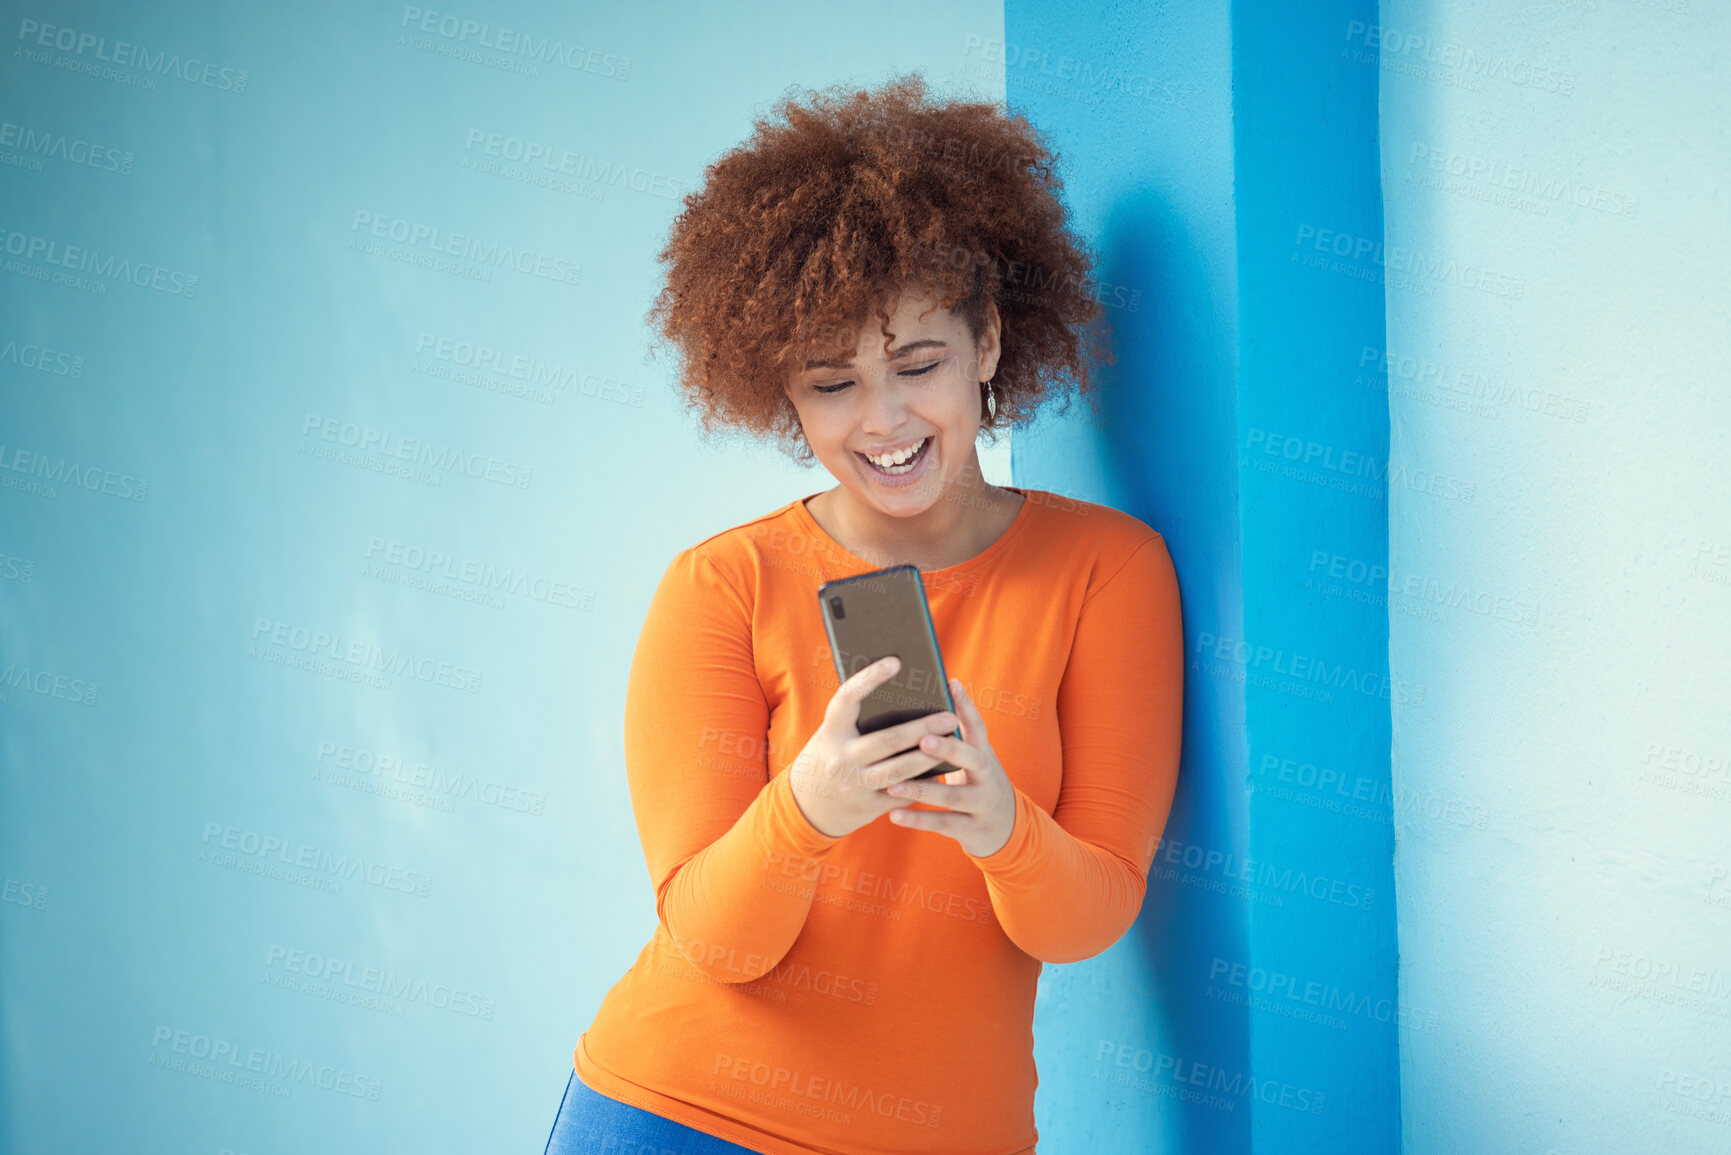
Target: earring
991 399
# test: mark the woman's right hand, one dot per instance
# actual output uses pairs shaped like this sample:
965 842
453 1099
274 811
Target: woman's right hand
840 777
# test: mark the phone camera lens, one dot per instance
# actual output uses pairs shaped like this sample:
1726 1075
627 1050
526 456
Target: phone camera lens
835 608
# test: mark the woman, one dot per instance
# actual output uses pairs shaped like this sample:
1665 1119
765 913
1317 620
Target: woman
846 958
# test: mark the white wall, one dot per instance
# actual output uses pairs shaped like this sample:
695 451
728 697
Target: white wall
1560 548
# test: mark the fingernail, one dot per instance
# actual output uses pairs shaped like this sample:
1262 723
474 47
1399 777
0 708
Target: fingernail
898 789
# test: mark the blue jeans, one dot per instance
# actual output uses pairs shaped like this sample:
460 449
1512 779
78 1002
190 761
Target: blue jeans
589 1123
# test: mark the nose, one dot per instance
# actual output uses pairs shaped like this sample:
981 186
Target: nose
883 412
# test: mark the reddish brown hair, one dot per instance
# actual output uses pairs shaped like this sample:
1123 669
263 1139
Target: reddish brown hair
836 204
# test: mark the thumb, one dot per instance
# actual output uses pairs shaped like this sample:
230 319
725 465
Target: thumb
973 726
845 706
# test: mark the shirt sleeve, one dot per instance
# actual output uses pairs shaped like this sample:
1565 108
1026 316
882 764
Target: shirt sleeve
718 833
1067 885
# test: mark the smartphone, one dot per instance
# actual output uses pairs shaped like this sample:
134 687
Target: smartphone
873 615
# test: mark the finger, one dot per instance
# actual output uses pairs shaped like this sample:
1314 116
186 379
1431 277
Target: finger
956 752
973 726
880 775
880 744
942 821
961 799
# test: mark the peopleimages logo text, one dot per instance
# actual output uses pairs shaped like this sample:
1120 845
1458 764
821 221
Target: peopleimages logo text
416 236
515 42
122 54
109 266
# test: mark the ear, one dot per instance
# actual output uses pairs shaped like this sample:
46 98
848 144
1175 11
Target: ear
990 344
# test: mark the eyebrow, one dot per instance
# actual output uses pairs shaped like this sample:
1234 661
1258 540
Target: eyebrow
847 363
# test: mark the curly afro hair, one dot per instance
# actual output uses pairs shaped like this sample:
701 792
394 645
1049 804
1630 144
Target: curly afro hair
831 209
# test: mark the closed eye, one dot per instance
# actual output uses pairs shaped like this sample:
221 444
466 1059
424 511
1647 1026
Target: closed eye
839 386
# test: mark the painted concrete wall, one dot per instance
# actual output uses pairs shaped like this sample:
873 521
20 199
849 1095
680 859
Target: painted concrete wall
1206 146
205 559
1555 260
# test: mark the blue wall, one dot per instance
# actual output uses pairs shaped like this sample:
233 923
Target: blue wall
319 578
1206 146
1558 359
1313 505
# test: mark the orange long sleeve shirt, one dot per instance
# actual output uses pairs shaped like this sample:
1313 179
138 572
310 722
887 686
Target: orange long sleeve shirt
875 992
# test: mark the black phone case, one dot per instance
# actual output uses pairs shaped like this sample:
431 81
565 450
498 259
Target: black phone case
885 612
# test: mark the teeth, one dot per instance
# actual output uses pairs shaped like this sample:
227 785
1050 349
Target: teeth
890 460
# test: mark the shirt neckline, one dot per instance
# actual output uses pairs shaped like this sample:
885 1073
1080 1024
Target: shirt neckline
979 559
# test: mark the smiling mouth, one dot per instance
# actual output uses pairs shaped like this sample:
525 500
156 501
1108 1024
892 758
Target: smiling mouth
907 466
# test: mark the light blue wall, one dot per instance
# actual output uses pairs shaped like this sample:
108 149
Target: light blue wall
166 709
1253 1007
1552 580
1556 254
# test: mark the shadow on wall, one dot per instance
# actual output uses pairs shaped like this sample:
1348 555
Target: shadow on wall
1168 417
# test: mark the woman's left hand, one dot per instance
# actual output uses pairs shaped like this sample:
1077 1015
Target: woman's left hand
980 810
